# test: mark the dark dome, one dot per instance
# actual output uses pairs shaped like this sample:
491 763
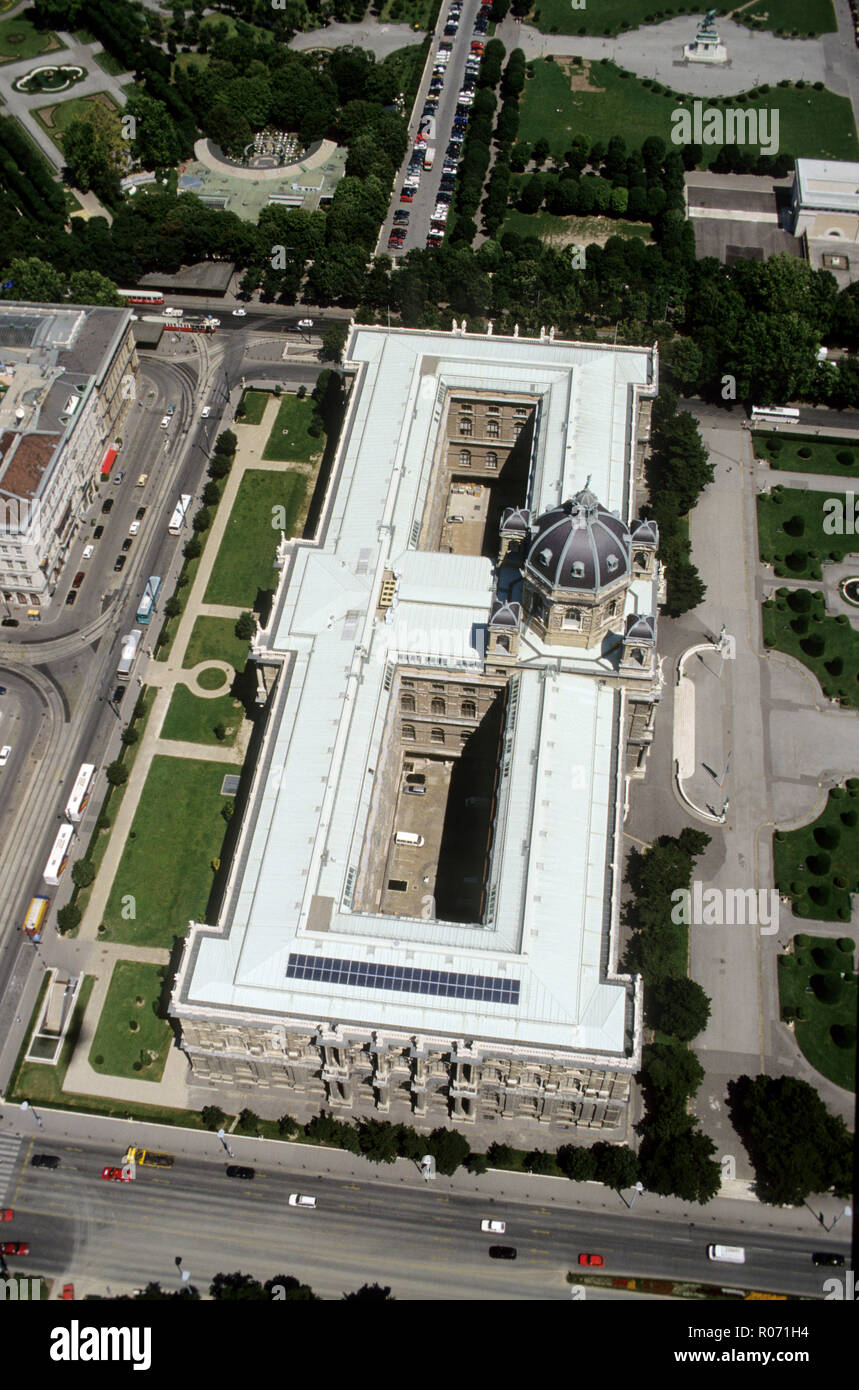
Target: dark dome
579 545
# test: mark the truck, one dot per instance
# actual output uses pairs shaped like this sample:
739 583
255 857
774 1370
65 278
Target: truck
148 1157
429 157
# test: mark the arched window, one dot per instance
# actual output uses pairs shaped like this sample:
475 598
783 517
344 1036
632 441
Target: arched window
469 709
491 459
436 735
438 706
465 458
466 426
493 429
464 736
407 704
409 733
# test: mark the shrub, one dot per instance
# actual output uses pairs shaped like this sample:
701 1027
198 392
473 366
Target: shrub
819 864
813 645
825 957
795 526
843 1035
827 836
477 1164
819 895
798 600
845 457
804 452
846 945
828 988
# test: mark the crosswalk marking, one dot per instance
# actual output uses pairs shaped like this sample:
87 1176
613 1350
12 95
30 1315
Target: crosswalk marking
10 1147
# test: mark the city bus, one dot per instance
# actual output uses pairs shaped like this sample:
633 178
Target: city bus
141 296
130 643
108 461
32 923
77 802
59 855
147 603
177 520
775 415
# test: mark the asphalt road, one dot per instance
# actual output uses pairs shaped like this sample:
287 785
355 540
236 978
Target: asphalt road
423 1241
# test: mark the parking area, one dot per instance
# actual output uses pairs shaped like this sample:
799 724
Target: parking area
465 522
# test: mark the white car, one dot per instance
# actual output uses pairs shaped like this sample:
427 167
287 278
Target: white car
133 529
174 313
493 1228
165 422
305 323
299 1199
205 412
88 551
240 313
4 758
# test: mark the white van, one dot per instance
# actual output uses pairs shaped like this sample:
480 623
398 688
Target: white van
730 1254
406 837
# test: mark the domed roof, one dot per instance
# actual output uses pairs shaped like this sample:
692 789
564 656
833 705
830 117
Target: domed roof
579 545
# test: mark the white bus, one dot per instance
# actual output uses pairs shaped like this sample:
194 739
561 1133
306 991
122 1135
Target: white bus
408 837
59 856
77 802
177 520
130 643
775 415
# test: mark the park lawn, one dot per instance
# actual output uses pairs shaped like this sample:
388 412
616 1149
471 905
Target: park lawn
253 404
812 124
830 455
419 14
606 17
836 666
55 119
565 231
813 1029
807 861
33 42
192 719
39 1081
803 18
109 64
133 998
178 827
791 534
289 441
245 561
214 639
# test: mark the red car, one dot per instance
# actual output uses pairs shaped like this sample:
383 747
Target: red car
14 1247
406 198
115 1175
596 1260
7 1214
68 1291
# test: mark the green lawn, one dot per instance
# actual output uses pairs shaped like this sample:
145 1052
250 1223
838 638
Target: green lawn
827 646
62 113
813 124
562 231
420 14
109 64
245 562
830 455
178 827
816 865
289 441
129 1029
192 719
791 531
215 639
38 1081
253 404
21 39
803 18
825 1032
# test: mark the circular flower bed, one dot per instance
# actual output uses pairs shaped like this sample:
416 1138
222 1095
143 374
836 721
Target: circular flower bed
49 79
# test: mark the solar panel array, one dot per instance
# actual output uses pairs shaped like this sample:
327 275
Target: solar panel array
368 974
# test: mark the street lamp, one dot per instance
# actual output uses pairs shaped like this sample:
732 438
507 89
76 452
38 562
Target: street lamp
848 1211
639 1187
25 1106
222 1135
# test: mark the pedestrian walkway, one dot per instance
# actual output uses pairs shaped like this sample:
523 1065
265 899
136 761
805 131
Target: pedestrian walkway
10 1147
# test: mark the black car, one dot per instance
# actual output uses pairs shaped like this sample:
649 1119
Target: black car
9 622
443 196
107 506
828 1259
98 533
429 109
127 544
119 563
502 1252
117 695
71 597
234 1171
44 1161
140 513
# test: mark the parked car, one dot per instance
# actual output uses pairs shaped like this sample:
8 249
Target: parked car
117 695
45 1161
119 563
594 1261
14 1247
7 1215
79 579
406 197
107 506
300 1199
88 551
71 597
495 1228
236 1171
5 751
99 531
